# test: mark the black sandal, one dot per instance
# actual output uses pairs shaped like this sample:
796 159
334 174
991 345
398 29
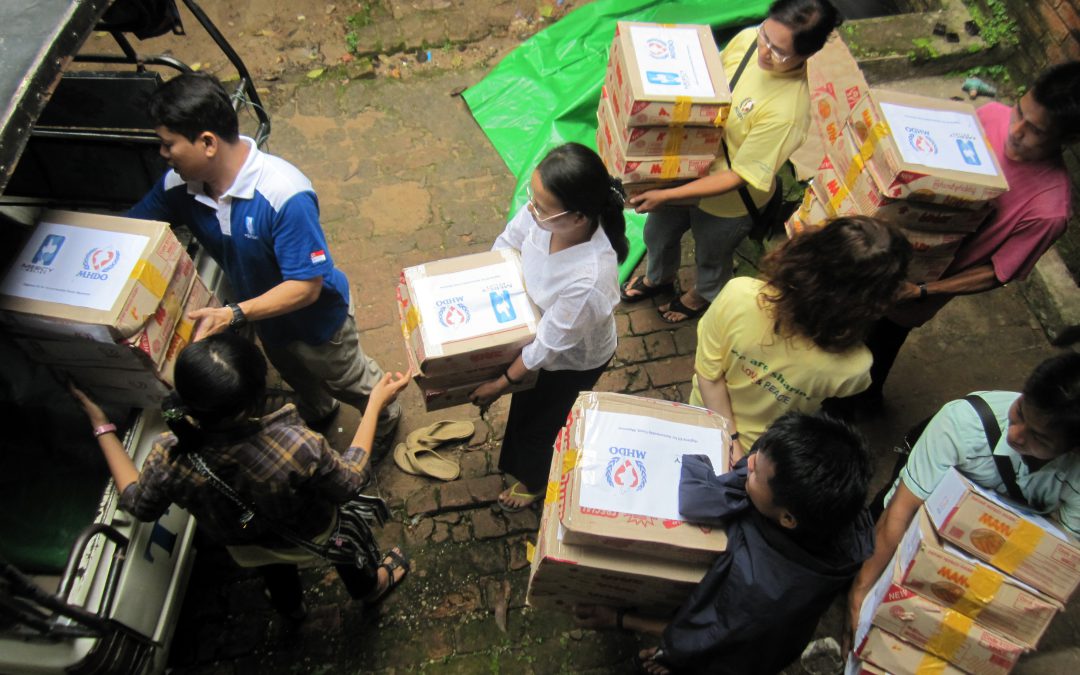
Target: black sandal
398 561
676 305
644 291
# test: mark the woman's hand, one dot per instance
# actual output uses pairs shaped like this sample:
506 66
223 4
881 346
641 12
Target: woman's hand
93 411
595 616
647 201
489 392
388 388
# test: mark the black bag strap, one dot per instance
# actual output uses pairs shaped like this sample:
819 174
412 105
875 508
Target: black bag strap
744 194
993 435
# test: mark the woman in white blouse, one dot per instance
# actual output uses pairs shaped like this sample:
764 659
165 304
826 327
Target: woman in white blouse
571 235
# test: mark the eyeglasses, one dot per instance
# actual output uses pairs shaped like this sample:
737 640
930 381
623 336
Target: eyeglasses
536 209
777 55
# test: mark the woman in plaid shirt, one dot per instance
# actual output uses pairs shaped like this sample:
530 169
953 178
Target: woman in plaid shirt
286 473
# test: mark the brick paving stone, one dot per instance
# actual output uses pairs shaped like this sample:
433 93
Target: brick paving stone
461 533
473 464
686 339
517 549
450 517
441 533
420 532
659 345
684 389
462 601
485 490
670 371
523 521
622 322
647 320
631 350
455 495
487 525
624 380
422 502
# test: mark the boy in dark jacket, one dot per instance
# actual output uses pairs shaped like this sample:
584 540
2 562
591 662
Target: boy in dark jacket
797 531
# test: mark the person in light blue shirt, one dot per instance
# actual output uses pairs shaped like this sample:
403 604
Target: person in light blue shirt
1040 437
258 217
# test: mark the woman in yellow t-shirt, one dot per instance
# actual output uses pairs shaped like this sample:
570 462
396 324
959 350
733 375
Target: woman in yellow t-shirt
794 337
770 114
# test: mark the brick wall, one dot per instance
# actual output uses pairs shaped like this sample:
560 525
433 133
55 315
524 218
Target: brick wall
1049 33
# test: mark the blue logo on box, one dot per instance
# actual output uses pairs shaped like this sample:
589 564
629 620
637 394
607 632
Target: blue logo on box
968 152
663 78
503 308
48 250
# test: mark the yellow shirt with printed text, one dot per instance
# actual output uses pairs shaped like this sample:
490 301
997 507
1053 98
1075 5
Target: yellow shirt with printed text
769 118
767 375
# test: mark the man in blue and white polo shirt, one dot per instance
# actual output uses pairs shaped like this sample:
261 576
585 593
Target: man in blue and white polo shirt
258 216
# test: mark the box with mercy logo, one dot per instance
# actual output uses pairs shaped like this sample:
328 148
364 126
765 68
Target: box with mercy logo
619 461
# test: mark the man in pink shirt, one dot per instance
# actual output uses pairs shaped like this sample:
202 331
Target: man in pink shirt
1028 140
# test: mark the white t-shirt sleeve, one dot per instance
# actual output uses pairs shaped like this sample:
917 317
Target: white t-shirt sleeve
578 310
513 235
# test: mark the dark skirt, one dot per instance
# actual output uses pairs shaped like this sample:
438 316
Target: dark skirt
535 418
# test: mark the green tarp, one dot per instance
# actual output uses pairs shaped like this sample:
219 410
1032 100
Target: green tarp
546 91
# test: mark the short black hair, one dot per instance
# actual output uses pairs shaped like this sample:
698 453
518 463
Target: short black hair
192 103
1054 388
822 470
811 21
1058 90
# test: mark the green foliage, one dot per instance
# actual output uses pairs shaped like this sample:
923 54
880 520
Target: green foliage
355 22
997 72
995 25
924 48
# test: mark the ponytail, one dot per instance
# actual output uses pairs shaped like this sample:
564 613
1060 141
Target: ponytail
613 220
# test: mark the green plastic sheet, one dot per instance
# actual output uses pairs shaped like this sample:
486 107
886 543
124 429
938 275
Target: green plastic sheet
546 91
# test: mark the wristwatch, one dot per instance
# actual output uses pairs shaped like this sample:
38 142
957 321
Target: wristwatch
922 290
238 318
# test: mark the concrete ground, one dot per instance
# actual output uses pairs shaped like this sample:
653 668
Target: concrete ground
405 176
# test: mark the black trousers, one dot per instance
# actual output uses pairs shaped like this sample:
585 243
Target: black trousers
885 340
283 582
535 418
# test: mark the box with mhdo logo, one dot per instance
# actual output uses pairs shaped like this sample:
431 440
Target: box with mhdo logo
925 149
98 278
620 461
563 574
1009 537
466 314
667 75
941 631
949 577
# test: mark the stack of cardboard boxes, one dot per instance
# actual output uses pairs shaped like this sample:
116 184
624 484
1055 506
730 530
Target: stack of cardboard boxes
663 105
104 300
611 532
920 163
465 320
974 584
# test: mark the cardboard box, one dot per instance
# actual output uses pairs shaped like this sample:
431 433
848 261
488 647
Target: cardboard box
643 169
667 74
136 388
563 575
89 276
836 86
811 214
199 297
945 575
897 657
1016 541
620 467
856 666
653 141
925 149
466 313
446 396
943 632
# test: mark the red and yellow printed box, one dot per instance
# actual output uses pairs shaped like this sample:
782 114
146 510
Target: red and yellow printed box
644 169
1022 544
836 86
620 460
656 141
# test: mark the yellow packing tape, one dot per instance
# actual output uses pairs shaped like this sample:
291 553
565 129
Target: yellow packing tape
721 116
951 636
681 112
930 665
569 460
552 493
669 167
530 551
1017 547
412 319
184 328
983 585
673 144
149 276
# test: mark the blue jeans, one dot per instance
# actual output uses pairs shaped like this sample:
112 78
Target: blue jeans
716 239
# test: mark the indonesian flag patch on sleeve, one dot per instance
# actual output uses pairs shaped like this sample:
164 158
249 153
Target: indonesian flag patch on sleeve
318 257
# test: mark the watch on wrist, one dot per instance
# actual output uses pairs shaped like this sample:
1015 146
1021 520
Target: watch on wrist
238 318
922 290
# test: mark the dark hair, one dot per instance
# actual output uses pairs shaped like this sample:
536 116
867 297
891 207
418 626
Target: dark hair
192 103
811 22
1058 90
1054 388
832 284
577 177
217 379
822 470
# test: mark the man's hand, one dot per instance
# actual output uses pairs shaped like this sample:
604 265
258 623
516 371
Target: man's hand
647 201
908 292
489 392
210 321
851 620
